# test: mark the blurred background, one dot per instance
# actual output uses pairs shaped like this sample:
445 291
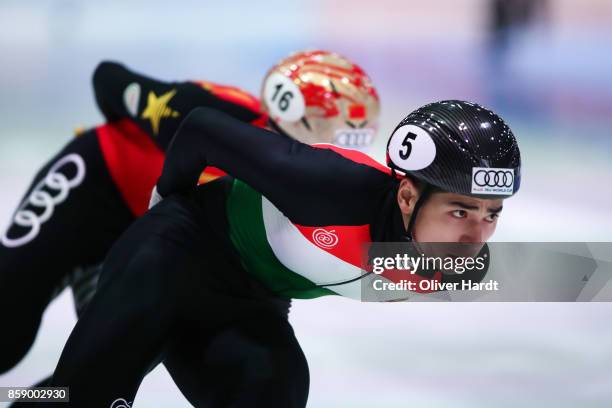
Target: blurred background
545 66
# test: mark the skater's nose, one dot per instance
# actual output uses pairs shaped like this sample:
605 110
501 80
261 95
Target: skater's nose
474 232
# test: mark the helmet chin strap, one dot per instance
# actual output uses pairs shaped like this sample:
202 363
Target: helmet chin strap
417 206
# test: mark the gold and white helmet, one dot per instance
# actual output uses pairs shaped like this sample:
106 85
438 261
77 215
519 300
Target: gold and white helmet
321 97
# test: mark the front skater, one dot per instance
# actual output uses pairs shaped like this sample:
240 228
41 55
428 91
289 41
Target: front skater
203 280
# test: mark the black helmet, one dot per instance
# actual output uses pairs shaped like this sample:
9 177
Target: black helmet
459 147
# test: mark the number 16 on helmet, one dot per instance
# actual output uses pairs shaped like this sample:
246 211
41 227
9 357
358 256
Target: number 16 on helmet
321 97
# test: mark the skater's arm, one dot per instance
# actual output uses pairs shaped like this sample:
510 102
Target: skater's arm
157 107
299 179
122 93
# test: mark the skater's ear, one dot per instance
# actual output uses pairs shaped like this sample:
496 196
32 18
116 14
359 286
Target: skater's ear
408 194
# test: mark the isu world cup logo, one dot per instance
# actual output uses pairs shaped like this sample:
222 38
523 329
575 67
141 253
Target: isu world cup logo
48 193
324 239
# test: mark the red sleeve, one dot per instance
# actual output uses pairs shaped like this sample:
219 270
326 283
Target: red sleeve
134 161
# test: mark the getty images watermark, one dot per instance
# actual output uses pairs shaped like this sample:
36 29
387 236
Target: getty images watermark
497 272
416 265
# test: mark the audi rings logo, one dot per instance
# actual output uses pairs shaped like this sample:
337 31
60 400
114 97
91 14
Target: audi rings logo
494 178
324 239
354 138
121 403
489 180
48 193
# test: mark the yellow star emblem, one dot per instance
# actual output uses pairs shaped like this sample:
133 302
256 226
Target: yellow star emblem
157 108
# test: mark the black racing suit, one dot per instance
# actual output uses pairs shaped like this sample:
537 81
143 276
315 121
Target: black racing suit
179 286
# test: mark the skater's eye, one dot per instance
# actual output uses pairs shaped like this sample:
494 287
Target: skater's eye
492 217
493 214
459 213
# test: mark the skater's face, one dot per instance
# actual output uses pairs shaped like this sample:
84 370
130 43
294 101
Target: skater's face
449 217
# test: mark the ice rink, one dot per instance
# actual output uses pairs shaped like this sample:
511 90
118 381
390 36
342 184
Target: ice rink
552 83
